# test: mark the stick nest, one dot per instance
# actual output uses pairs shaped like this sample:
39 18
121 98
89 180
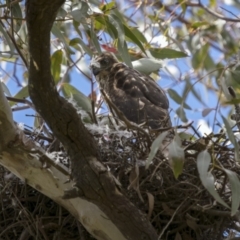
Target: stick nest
178 208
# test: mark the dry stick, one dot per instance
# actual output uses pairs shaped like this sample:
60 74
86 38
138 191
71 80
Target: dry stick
159 238
19 100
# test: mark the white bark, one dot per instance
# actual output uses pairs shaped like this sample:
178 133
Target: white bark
28 161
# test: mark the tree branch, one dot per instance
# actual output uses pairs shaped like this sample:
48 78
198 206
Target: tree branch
91 177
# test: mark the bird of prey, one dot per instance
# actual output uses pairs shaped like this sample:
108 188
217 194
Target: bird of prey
139 98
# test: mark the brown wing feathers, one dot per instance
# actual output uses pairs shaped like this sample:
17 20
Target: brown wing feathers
138 96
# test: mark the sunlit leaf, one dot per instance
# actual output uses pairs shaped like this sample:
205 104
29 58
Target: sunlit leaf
187 136
93 5
155 147
56 61
163 53
196 25
107 7
82 101
147 65
212 3
176 156
37 121
207 179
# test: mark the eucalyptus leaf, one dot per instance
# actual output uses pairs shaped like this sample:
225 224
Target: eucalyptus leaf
232 138
236 76
181 113
206 111
56 31
147 65
8 40
5 89
163 53
75 41
155 147
95 39
56 61
124 54
82 101
207 179
235 188
119 27
176 156
80 13
178 99
17 16
5 111
130 34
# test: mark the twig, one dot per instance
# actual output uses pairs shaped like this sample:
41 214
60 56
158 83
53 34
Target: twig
217 15
164 229
19 100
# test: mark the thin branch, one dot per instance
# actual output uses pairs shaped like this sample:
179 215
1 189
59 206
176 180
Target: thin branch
217 15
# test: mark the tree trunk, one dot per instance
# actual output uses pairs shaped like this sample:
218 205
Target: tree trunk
96 201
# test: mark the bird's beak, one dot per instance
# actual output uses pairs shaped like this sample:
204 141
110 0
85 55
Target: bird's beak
95 67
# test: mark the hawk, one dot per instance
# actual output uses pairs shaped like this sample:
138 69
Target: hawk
137 96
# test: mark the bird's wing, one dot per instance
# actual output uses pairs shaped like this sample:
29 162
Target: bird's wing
138 85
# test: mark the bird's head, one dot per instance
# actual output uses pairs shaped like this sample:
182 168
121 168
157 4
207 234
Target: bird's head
102 62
